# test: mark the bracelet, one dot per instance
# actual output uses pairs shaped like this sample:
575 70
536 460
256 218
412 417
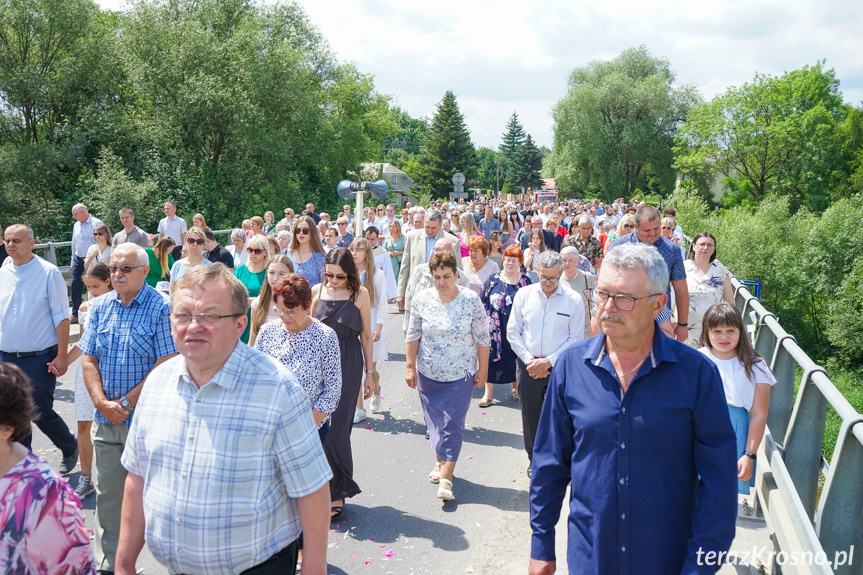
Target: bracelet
750 455
371 371
682 324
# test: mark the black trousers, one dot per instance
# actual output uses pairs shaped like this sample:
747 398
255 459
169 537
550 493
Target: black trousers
532 394
77 283
42 383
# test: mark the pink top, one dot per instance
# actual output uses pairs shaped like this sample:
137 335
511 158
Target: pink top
41 526
464 251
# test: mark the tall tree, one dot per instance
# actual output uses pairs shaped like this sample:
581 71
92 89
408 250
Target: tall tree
407 141
616 125
774 134
511 145
487 168
447 149
529 165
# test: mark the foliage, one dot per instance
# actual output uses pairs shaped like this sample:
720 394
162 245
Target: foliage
529 165
511 151
487 161
773 135
616 125
447 149
408 139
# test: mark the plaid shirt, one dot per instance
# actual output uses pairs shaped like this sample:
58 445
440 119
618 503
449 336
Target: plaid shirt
223 465
127 341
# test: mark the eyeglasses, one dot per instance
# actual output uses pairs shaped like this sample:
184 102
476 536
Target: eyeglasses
548 279
256 251
202 318
291 313
622 302
339 277
302 231
193 241
706 246
628 226
343 223
666 227
124 269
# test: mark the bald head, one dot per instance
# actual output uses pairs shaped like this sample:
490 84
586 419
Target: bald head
443 245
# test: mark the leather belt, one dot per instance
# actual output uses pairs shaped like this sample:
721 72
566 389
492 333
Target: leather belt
52 349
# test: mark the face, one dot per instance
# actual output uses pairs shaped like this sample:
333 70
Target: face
534 241
510 265
704 247
128 220
284 242
247 226
585 230
476 255
196 221
256 227
381 211
18 245
331 237
359 256
390 212
170 209
100 237
444 280
549 278
95 286
238 243
256 257
268 218
302 232
127 284
310 207
343 227
620 324
489 213
394 229
724 340
292 317
335 276
648 231
628 227
446 225
666 230
80 215
570 264
206 345
432 228
194 244
373 238
418 221
275 272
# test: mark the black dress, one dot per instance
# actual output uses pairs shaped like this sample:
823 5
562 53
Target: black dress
344 318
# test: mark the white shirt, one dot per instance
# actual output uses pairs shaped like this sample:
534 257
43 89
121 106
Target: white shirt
174 228
541 326
33 302
82 236
384 263
739 389
383 225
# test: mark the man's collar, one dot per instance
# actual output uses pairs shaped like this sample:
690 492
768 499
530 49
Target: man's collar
226 377
661 350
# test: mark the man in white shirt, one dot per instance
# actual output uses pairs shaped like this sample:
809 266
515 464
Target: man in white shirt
384 222
382 261
34 332
174 226
83 236
546 318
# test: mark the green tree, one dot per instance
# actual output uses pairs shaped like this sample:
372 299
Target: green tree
616 125
529 165
487 162
772 135
511 146
407 141
447 149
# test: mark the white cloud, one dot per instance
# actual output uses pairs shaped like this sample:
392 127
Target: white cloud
500 56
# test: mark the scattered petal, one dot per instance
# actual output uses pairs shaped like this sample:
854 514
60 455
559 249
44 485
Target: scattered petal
353 556
388 554
470 456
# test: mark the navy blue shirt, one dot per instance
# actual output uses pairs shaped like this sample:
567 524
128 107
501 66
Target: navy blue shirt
653 473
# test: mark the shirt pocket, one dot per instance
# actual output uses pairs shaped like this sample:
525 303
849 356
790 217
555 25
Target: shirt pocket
141 343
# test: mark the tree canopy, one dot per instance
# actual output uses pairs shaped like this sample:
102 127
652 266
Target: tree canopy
447 149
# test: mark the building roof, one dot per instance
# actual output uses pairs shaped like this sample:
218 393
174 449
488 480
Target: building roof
548 184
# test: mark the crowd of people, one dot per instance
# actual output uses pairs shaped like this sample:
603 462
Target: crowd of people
595 317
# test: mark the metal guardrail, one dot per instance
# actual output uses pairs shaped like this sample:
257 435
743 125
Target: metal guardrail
824 530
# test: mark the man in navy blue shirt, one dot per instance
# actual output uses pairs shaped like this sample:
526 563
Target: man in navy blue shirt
637 423
489 223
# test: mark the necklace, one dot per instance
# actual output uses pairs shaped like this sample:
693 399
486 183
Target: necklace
622 376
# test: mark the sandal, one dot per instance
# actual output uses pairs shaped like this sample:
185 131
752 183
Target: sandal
445 493
515 394
434 475
335 511
485 401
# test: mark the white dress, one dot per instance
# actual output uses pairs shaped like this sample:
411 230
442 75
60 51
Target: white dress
84 408
379 316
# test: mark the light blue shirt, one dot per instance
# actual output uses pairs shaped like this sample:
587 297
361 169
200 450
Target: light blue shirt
82 236
488 226
430 242
33 302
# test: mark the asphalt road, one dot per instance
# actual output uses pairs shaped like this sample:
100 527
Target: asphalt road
397 524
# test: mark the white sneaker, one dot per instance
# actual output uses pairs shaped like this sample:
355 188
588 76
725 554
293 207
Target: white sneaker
360 415
375 403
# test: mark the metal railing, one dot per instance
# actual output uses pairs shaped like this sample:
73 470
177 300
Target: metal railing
824 529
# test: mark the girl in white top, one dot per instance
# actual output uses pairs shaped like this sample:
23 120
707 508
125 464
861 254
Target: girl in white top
374 281
746 379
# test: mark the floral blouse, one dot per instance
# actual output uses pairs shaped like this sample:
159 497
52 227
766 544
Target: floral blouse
41 525
313 355
703 293
448 333
497 295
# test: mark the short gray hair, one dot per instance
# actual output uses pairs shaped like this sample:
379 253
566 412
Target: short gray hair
130 248
585 219
549 259
646 214
218 272
569 250
640 257
238 233
432 215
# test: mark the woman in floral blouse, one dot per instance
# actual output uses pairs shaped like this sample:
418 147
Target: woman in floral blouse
497 295
446 324
41 525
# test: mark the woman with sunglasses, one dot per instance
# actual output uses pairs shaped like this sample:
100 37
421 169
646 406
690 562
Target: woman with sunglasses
307 251
253 273
101 250
626 225
343 304
194 254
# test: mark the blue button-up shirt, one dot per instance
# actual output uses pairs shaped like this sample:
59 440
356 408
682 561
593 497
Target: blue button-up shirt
670 252
82 236
653 471
127 341
488 226
430 242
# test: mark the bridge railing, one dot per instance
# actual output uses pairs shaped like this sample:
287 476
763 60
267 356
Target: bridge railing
826 523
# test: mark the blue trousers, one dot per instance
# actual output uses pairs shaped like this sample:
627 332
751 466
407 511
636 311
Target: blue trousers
740 423
42 383
77 283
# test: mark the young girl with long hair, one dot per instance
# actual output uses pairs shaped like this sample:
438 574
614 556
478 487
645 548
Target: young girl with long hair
746 379
262 311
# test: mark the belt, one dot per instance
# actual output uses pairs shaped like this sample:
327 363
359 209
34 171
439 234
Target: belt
52 349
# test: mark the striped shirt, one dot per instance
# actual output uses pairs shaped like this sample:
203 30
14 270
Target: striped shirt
223 465
127 341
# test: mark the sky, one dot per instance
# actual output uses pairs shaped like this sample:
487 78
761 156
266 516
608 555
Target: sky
505 56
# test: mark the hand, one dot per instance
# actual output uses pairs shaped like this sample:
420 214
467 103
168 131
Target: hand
377 334
744 468
112 411
681 332
480 378
58 365
537 567
538 368
400 301
368 386
411 378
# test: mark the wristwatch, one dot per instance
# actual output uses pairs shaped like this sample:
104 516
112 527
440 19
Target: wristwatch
750 455
125 403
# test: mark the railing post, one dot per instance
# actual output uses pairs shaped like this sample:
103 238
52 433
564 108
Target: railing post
50 254
784 368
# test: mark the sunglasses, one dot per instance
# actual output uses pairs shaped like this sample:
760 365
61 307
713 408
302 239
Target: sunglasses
97 234
628 226
256 251
340 277
194 241
125 269
302 231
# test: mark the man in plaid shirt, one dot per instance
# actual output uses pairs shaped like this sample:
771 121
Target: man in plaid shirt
225 466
